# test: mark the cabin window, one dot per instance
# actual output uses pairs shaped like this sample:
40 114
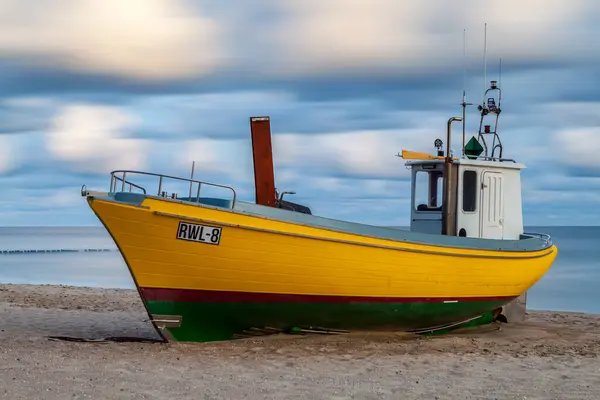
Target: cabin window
469 195
428 190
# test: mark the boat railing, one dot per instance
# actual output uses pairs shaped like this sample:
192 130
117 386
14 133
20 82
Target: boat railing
120 182
545 237
489 158
125 183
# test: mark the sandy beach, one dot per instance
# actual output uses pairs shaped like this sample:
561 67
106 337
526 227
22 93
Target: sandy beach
549 356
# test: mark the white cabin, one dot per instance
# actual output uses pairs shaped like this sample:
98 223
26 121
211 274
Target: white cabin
488 198
481 195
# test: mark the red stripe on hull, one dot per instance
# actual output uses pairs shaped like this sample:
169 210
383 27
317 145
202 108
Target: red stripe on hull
213 296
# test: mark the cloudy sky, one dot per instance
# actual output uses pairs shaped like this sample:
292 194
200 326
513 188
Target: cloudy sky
89 87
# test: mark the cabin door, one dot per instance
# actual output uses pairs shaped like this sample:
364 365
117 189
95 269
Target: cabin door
492 205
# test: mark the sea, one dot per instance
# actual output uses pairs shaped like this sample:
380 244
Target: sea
87 256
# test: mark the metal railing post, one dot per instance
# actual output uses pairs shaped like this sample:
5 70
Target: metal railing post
123 185
192 179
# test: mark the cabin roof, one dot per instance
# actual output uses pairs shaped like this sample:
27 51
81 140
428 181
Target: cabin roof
506 164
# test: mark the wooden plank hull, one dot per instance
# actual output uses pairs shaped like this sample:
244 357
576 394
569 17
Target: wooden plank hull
264 272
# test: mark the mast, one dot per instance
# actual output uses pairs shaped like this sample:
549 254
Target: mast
500 73
490 106
484 61
464 103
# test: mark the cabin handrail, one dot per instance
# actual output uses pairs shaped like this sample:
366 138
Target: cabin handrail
115 178
489 158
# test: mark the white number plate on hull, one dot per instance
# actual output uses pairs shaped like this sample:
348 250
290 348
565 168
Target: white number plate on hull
199 233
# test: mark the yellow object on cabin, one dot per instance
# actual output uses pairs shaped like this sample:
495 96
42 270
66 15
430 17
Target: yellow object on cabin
419 155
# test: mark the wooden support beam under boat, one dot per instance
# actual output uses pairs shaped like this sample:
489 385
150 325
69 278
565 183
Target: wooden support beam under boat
264 175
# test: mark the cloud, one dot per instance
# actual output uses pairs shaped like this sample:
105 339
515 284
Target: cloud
388 36
577 134
336 189
574 113
7 161
579 147
62 208
208 46
231 158
226 115
338 34
25 114
154 85
210 115
560 181
94 138
366 154
562 196
141 39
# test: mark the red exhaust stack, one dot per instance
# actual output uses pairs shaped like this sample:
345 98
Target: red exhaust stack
262 151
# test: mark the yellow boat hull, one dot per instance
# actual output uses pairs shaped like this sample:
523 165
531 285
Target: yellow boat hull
202 284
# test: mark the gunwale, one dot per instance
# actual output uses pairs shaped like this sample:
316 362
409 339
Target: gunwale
528 244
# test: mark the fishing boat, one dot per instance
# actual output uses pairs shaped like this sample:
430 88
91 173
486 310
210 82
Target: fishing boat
212 268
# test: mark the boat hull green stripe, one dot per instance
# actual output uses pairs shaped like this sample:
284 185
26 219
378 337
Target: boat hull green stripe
213 321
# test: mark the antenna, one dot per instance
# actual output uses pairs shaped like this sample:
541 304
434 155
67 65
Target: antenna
500 73
464 59
484 61
464 103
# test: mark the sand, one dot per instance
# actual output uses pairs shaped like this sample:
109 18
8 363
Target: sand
549 356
